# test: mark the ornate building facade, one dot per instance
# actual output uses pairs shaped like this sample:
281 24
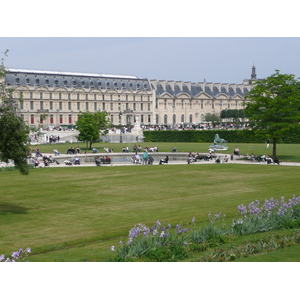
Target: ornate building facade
56 98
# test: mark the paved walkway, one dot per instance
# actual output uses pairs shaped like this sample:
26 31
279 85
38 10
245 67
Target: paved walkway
156 162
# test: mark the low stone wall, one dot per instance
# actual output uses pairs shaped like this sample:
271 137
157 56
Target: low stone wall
120 157
122 138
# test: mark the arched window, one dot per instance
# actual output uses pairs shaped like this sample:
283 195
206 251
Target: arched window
191 118
202 118
174 119
165 119
157 118
182 118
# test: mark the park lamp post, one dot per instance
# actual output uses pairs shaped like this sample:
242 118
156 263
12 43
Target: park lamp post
120 115
173 121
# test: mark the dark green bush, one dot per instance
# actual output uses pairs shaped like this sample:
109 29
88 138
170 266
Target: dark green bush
207 136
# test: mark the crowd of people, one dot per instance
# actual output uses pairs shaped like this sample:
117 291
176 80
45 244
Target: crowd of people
144 157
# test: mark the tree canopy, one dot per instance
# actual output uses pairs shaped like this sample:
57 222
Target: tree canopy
234 114
91 125
273 107
13 131
213 118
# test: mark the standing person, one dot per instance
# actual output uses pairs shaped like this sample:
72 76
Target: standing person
268 143
145 157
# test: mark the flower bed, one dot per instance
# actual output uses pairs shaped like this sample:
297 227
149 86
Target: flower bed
167 243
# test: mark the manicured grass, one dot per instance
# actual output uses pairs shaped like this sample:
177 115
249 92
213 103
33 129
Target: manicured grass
290 254
91 208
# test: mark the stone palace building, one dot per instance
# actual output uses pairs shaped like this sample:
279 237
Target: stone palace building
56 98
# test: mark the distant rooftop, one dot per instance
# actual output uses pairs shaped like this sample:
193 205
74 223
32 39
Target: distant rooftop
71 73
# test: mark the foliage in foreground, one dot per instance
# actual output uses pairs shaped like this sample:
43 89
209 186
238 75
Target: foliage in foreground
250 248
19 255
164 243
13 130
273 107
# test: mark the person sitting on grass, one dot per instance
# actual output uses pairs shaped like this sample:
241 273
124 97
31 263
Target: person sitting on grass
78 150
236 151
71 150
56 152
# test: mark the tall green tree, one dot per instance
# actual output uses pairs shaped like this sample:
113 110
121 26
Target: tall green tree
13 131
91 125
273 107
213 118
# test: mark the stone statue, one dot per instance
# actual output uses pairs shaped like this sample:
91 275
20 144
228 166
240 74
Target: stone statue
218 140
219 144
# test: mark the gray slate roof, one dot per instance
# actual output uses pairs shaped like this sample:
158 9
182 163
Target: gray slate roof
74 80
196 89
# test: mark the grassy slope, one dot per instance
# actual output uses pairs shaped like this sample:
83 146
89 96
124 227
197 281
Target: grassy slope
93 207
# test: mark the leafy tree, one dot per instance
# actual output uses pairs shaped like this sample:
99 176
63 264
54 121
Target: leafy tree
91 125
213 118
273 107
13 131
234 114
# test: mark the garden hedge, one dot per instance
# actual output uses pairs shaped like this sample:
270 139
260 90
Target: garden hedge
207 136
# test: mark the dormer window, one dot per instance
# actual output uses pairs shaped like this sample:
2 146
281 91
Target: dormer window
37 82
74 83
65 83
47 82
82 83
27 81
17 81
56 82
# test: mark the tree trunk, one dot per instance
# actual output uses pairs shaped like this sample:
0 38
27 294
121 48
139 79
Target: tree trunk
274 147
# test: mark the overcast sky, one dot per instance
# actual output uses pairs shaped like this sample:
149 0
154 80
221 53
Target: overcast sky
225 60
172 40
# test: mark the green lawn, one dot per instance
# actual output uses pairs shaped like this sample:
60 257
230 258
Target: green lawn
290 254
76 214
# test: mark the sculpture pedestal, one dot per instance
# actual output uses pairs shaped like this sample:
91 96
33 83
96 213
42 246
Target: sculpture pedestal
135 136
